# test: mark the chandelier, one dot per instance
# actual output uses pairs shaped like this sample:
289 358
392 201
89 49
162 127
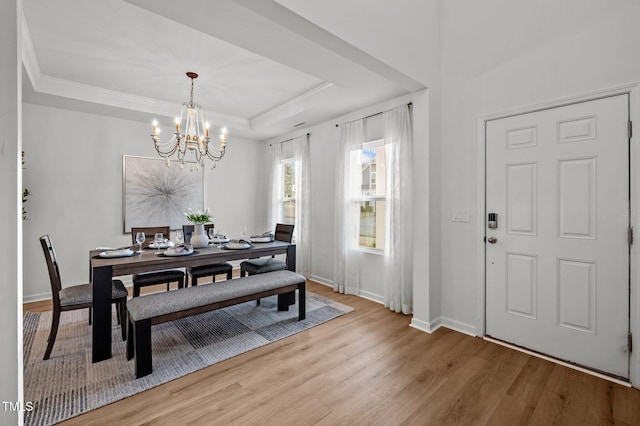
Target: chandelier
195 140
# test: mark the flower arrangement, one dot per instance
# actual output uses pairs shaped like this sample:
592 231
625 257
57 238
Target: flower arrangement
198 218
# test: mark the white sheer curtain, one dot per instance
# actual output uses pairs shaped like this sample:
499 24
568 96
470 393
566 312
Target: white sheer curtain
274 196
346 277
398 281
303 207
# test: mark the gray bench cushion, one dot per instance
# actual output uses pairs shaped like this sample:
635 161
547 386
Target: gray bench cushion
158 304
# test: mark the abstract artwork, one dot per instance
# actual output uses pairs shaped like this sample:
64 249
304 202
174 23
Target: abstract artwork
157 195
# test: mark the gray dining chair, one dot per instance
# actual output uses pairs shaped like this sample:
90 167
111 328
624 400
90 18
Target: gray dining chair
262 265
167 276
196 272
77 296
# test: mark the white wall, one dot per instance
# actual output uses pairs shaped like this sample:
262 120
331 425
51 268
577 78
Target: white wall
10 181
74 173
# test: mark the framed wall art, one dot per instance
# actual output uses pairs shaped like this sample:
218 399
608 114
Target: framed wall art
157 195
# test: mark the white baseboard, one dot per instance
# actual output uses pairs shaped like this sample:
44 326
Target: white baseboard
36 297
320 280
425 326
361 293
455 325
459 326
371 296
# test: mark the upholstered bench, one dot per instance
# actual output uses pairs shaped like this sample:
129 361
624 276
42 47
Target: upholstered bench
148 310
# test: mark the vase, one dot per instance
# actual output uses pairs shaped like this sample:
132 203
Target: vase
199 239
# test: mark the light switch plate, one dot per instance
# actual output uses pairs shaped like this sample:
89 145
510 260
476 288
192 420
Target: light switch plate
460 215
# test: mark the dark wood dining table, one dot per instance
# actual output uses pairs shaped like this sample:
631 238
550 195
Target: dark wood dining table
103 270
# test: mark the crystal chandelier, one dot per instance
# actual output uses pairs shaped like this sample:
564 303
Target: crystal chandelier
194 140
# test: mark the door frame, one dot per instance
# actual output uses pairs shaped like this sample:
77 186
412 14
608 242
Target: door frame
633 90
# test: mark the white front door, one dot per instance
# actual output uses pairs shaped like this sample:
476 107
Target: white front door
557 264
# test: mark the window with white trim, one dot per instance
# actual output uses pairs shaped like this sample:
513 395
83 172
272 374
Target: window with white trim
372 197
288 191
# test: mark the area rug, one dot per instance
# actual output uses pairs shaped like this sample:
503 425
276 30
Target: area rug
69 384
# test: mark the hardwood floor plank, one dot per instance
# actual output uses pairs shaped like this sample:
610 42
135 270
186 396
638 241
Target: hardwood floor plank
370 368
521 398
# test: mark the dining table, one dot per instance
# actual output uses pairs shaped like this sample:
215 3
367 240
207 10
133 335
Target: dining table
104 269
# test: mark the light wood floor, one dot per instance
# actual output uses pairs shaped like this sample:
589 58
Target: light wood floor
369 367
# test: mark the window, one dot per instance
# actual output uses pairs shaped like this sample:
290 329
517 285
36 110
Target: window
288 191
372 197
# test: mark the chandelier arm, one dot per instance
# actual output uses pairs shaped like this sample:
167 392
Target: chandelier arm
215 157
165 153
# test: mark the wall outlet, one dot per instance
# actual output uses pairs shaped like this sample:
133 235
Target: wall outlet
460 215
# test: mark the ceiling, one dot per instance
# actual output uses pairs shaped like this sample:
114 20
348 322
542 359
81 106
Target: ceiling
262 67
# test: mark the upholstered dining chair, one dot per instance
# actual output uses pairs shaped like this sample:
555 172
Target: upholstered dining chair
262 265
144 279
77 296
196 272
268 264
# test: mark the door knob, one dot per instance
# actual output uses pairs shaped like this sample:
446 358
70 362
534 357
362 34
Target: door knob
492 240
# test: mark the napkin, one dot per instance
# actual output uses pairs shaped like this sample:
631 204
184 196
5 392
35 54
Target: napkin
265 237
264 234
240 241
182 247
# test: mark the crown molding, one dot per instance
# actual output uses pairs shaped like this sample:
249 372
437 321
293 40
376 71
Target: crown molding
83 92
29 59
289 108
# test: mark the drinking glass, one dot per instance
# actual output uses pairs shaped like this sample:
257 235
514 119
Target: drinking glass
179 236
140 237
212 233
220 235
158 239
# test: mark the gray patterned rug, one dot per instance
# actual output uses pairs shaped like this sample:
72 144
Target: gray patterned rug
69 384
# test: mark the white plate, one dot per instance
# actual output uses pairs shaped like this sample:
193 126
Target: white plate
172 252
238 246
261 239
117 253
164 245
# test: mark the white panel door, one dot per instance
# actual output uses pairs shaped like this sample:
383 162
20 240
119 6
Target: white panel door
557 265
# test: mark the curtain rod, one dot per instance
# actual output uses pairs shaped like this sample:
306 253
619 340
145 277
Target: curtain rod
288 140
377 113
